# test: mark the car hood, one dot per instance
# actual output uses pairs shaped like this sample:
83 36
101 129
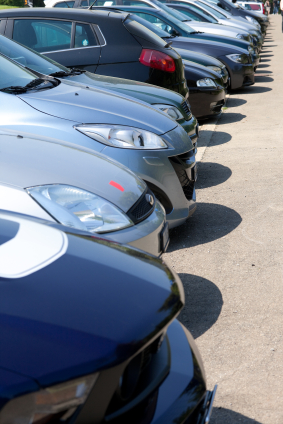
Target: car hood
143 92
37 162
91 308
237 23
219 49
202 26
73 102
200 58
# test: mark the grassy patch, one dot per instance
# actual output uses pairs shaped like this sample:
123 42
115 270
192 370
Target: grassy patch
7 7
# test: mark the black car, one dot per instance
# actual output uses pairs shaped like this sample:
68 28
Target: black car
236 10
89 332
100 42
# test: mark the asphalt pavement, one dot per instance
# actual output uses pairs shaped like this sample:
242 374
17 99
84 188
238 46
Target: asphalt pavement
229 255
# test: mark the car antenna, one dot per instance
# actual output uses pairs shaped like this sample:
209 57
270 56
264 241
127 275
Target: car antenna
90 7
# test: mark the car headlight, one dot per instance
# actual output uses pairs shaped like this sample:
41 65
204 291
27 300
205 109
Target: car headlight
252 20
51 403
215 69
239 58
206 82
240 36
122 136
77 208
172 111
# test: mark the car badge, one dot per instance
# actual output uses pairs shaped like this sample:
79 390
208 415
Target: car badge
149 198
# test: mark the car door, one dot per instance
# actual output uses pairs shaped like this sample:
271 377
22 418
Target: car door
73 44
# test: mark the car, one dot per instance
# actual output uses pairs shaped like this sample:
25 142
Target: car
140 137
237 62
216 14
168 101
201 15
100 43
89 332
253 6
86 190
236 10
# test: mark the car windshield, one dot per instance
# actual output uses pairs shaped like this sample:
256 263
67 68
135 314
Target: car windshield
29 58
202 13
211 10
158 31
178 15
13 74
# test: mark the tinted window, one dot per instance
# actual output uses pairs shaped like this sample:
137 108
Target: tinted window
84 37
43 35
148 25
105 3
190 14
135 3
84 3
67 4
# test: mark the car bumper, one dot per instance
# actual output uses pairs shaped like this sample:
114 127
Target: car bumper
191 128
206 102
182 397
256 60
241 74
148 235
170 173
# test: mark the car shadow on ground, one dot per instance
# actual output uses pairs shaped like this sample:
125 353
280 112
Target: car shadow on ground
253 89
266 55
212 174
230 117
263 79
262 66
226 416
265 60
234 102
210 222
216 138
202 306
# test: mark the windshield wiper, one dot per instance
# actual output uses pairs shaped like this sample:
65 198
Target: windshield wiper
23 89
196 32
73 71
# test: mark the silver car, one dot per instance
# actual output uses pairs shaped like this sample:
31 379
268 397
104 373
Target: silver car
140 137
80 189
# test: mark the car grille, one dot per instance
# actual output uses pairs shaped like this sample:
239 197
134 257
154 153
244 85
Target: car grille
187 109
146 370
142 208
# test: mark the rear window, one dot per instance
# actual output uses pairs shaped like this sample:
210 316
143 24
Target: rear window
255 7
140 30
68 4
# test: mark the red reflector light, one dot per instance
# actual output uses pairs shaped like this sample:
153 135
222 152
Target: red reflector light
116 185
157 60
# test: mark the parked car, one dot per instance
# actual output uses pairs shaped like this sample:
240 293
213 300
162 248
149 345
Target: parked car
89 332
236 10
87 191
97 42
170 102
143 138
253 6
237 62
201 15
214 12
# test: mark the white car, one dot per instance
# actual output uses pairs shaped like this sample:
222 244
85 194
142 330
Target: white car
253 7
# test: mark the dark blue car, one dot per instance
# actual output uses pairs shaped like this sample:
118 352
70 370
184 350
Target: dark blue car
89 332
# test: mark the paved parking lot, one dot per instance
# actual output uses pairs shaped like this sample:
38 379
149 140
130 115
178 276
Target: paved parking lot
229 254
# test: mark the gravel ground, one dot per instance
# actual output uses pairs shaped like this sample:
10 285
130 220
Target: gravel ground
229 254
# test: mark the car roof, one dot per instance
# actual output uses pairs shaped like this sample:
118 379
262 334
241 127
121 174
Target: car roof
62 13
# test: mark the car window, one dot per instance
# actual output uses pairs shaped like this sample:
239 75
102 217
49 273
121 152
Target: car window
159 32
84 3
156 21
255 7
201 13
43 35
190 14
248 7
214 12
84 36
135 3
68 4
105 3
